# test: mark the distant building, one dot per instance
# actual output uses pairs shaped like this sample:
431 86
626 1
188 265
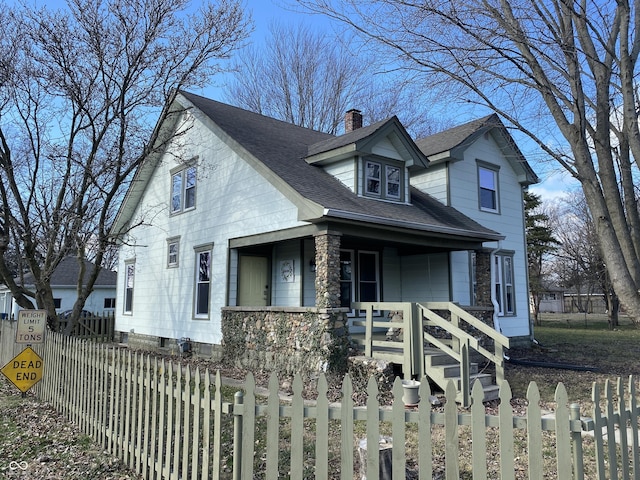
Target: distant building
64 286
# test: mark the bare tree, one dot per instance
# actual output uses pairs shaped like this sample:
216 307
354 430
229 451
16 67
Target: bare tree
579 261
311 79
562 72
81 89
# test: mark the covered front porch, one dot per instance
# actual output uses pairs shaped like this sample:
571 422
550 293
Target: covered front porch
438 339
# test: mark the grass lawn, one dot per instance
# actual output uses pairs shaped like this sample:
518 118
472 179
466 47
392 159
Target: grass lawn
583 342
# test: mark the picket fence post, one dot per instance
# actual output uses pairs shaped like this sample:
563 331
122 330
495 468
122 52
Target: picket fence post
238 400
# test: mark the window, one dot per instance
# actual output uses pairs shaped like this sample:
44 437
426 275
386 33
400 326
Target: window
173 251
473 270
368 277
488 188
57 302
359 282
129 269
203 282
509 307
110 303
372 178
183 190
346 278
393 182
382 180
503 284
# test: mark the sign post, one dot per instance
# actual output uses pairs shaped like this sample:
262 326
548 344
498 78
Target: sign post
25 369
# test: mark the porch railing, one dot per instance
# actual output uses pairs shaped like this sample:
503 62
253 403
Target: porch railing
462 334
460 343
408 351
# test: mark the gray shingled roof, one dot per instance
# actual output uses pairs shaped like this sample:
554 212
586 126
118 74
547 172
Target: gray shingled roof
352 137
67 272
456 136
282 147
454 141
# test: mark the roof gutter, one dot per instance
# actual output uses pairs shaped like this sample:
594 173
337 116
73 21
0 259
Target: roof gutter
329 212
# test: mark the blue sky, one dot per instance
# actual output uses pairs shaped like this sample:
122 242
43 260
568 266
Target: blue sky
554 182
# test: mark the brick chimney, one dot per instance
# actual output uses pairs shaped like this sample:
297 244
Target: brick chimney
352 120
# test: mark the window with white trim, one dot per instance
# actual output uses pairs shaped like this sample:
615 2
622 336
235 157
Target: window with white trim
503 284
488 189
183 189
393 182
473 271
372 178
129 276
202 294
173 252
382 180
346 278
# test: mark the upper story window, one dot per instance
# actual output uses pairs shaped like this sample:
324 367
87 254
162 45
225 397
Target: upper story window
183 189
382 180
488 188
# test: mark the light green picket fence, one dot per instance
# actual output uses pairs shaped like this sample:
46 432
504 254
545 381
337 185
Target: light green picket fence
171 422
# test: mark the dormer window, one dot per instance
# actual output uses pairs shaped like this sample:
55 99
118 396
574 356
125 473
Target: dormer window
382 180
393 182
373 178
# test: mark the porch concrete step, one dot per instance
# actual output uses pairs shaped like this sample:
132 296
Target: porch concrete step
491 392
441 368
435 357
453 370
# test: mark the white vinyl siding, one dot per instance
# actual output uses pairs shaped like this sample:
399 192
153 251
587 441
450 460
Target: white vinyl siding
239 202
461 192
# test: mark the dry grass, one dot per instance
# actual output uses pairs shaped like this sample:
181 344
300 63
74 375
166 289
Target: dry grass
53 448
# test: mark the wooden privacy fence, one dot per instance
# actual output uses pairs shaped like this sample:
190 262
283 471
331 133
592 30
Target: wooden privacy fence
94 326
171 422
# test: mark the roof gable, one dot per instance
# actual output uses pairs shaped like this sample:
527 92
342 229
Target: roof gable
450 145
362 141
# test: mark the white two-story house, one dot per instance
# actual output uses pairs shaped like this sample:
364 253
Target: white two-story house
245 213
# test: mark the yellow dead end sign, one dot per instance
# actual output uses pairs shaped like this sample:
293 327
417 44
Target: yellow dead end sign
24 370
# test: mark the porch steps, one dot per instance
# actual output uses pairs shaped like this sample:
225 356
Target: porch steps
441 368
